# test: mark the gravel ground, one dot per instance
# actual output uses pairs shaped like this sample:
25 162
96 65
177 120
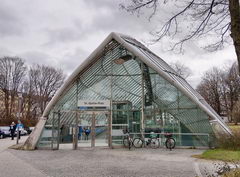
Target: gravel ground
111 162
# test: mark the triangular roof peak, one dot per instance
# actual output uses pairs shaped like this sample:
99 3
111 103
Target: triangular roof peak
149 58
113 35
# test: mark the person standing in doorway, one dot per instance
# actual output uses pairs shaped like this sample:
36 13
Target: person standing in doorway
84 133
87 132
80 132
12 129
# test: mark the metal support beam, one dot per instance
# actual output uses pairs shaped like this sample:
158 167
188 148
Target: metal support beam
143 103
75 133
76 130
52 130
93 132
111 109
58 129
110 130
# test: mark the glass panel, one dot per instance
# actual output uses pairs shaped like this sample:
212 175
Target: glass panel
46 138
55 131
50 134
121 119
116 75
102 130
85 130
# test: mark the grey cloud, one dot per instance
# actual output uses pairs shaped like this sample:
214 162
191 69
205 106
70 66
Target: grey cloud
5 52
56 28
10 23
114 18
99 4
67 62
71 61
108 17
62 35
36 57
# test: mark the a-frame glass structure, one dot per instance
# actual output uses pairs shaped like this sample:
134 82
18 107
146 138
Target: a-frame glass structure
145 93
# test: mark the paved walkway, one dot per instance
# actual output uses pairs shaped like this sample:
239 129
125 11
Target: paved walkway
6 142
100 162
11 165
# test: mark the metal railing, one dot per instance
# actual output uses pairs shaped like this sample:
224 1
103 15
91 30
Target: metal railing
182 139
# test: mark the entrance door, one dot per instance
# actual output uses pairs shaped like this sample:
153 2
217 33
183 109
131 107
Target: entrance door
85 130
102 129
93 129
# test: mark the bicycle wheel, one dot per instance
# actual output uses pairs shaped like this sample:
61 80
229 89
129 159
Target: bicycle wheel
137 142
125 142
154 143
170 143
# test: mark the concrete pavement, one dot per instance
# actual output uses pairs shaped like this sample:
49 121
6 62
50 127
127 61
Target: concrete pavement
100 162
6 142
11 165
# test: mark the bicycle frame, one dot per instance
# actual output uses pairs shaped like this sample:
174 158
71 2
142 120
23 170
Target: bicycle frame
129 140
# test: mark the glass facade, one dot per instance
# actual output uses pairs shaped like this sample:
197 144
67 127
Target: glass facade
141 100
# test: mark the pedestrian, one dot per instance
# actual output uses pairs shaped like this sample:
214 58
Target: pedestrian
80 132
87 132
12 129
84 133
19 128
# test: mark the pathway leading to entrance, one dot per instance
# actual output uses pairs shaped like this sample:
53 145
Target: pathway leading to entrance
11 165
6 142
100 162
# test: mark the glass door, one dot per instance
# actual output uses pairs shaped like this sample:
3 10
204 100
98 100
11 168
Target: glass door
85 130
93 129
101 129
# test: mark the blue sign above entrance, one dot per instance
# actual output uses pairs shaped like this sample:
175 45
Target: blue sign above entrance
91 105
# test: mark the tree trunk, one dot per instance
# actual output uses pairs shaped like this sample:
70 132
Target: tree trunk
236 122
235 27
6 99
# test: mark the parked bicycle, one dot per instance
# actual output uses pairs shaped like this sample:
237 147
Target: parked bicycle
152 141
170 141
127 140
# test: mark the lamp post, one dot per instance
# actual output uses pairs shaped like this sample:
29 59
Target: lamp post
18 115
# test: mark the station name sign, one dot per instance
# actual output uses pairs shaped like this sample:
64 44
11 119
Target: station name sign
91 104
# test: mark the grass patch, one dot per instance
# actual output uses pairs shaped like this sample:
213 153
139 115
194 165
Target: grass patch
233 173
220 154
229 142
235 127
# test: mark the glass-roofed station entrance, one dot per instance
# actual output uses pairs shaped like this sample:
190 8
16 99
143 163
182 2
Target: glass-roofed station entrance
139 91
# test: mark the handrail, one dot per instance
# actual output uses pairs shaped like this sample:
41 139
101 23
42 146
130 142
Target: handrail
206 134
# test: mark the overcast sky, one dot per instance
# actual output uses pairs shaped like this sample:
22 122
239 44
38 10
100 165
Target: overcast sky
62 33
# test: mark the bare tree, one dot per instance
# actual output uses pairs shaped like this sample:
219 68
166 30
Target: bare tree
211 89
236 112
45 81
29 103
181 69
231 89
221 89
37 88
12 71
192 19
